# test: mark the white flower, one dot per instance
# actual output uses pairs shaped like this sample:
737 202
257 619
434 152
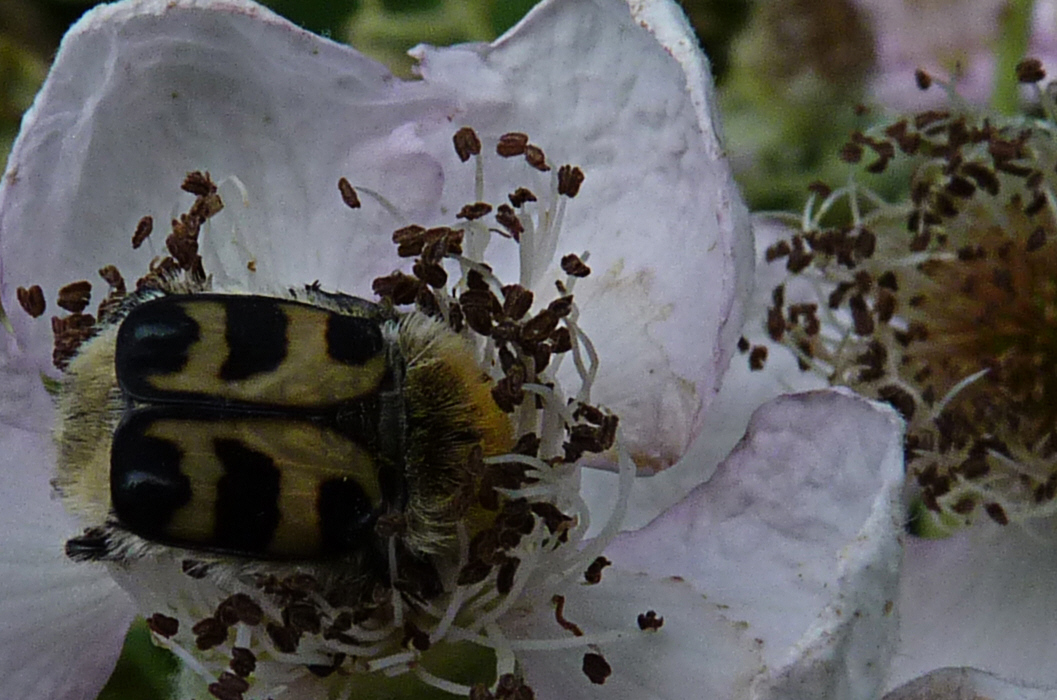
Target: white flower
942 305
775 578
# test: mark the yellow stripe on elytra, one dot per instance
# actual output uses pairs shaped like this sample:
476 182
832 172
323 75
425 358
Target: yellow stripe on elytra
305 456
195 521
308 376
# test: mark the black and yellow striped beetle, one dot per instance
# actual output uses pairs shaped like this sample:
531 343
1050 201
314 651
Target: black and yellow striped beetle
270 428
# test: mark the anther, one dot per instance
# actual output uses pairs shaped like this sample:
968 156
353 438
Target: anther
569 180
573 265
415 638
505 579
997 513
467 143
559 616
820 189
650 621
851 153
864 323
163 625
535 157
31 300
758 358
348 194
512 144
229 687
520 196
474 211
1030 70
199 184
243 661
516 301
143 229
1036 239
209 633
593 574
777 250
506 218
74 297
596 668
285 639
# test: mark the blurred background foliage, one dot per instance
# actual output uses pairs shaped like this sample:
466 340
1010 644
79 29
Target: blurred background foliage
794 79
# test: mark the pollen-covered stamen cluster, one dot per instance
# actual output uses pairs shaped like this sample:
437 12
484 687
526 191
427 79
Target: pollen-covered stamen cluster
182 266
531 547
519 520
943 305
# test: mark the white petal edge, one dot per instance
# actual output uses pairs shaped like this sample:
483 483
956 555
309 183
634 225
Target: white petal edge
967 684
61 624
799 534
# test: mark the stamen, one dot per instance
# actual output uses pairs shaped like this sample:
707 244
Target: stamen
460 594
389 662
447 686
143 229
553 644
505 661
588 370
244 192
957 389
348 194
187 659
389 207
612 525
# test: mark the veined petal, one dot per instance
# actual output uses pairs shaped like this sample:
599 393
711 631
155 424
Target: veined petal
799 533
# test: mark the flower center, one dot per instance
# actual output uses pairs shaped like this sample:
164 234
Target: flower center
502 530
943 305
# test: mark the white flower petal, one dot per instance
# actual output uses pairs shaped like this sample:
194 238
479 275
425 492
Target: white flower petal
61 624
982 598
629 99
967 684
23 402
741 393
697 653
799 534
